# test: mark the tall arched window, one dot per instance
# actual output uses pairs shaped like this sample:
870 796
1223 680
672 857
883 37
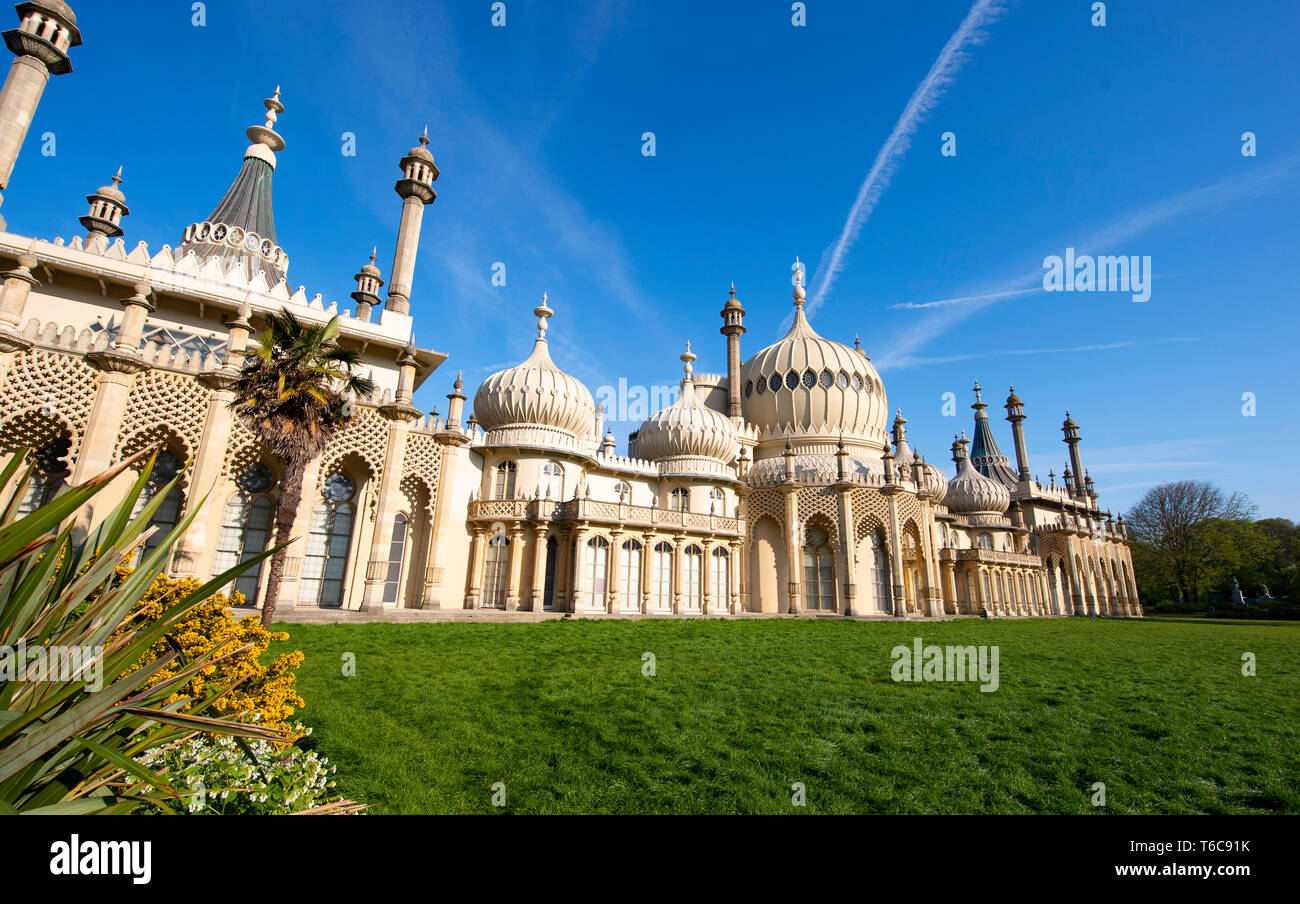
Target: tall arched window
629 585
246 528
880 582
720 578
661 577
49 475
325 561
717 502
818 580
504 487
988 594
553 481
166 466
597 570
681 500
552 551
692 589
496 568
986 541
396 556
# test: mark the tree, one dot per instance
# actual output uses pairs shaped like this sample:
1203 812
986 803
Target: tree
293 393
1177 521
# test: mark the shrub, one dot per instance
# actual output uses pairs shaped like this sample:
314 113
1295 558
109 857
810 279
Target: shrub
262 694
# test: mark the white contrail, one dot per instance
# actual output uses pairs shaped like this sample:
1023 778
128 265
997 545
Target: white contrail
927 94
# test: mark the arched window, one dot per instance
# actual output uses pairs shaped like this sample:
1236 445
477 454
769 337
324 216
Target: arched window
916 589
553 481
692 567
880 582
597 569
717 502
325 561
396 556
988 591
166 466
49 474
986 541
661 577
819 582
246 528
496 568
681 500
630 578
504 488
623 492
552 550
720 578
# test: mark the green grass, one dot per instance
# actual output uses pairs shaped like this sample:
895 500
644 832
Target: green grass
739 711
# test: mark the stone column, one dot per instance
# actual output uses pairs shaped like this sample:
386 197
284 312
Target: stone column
734 571
579 566
848 539
647 558
516 566
388 505
444 519
538 595
611 577
793 552
950 586
18 285
678 546
896 557
475 567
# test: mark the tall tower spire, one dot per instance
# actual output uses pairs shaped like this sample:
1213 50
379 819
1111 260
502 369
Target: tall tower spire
40 46
242 227
985 456
415 188
1016 415
733 327
1071 431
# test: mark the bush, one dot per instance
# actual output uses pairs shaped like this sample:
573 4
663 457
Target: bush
263 694
223 781
1264 609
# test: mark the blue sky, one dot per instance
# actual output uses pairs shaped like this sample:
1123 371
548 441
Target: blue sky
1117 140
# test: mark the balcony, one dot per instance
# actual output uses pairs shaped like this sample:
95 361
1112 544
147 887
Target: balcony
609 513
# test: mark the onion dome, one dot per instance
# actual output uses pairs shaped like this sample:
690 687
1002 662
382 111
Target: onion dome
970 492
687 428
107 207
536 394
808 385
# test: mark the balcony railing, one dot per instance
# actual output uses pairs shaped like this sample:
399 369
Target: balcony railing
600 512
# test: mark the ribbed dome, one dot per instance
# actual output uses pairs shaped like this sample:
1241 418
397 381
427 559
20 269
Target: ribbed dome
687 428
805 384
970 492
536 393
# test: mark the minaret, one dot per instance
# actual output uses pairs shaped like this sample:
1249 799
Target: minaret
1071 431
368 283
40 44
733 316
416 191
107 207
455 403
1016 415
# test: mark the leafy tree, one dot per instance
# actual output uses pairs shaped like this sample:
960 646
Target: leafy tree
293 393
1178 522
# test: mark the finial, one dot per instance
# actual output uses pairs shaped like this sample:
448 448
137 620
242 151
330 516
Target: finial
799 293
733 289
542 312
424 139
977 390
687 358
460 383
117 177
857 342
374 253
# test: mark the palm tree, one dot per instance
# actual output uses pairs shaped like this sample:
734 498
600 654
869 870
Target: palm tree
293 394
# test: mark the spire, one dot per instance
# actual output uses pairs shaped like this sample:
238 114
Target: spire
799 293
985 456
687 357
241 229
543 313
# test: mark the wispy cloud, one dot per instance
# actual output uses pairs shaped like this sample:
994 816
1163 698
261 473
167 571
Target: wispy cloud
897 363
965 299
924 99
1207 198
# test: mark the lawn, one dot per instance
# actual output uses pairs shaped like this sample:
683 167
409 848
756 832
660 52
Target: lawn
740 711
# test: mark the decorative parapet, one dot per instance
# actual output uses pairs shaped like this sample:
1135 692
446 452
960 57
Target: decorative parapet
611 513
990 557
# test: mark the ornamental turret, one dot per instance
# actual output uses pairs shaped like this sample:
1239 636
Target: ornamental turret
733 327
368 284
1071 431
1016 415
415 188
107 207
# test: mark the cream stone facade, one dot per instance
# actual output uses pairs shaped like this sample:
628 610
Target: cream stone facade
780 487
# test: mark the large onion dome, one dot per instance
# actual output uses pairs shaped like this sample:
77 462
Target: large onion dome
687 428
806 385
970 492
536 394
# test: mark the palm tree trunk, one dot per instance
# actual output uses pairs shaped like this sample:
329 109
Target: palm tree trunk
286 511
